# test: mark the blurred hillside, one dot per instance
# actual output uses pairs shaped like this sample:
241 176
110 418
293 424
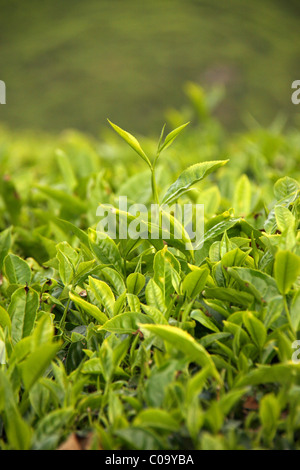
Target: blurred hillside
73 63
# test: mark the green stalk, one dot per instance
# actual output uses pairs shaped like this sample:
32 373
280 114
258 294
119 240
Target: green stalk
63 318
154 187
288 315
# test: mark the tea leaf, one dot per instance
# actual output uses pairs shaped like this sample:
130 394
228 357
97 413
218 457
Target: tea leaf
286 270
190 176
132 141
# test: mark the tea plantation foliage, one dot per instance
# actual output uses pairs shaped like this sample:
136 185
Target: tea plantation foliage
141 344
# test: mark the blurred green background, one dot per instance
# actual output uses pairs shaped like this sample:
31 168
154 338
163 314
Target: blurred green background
74 63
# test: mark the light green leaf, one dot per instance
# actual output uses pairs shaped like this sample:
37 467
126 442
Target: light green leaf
190 176
125 322
105 249
261 285
66 269
103 294
211 199
43 332
256 329
5 242
286 270
132 141
172 136
36 363
184 342
17 270
155 296
139 438
284 218
294 309
281 373
4 319
166 273
242 196
157 419
285 186
135 283
227 294
156 314
269 413
194 282
22 310
115 279
92 310
18 432
66 168
199 316
54 423
197 383
133 302
67 227
70 203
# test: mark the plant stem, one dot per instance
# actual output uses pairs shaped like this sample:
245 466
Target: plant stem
63 318
154 187
24 402
288 315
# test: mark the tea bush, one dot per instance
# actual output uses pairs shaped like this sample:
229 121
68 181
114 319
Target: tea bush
145 344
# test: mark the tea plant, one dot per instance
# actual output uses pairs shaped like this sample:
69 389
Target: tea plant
142 343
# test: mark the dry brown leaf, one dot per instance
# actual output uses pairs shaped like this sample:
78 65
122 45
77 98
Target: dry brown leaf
77 443
72 443
251 404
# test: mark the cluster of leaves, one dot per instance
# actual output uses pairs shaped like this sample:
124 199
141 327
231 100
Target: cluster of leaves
142 344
